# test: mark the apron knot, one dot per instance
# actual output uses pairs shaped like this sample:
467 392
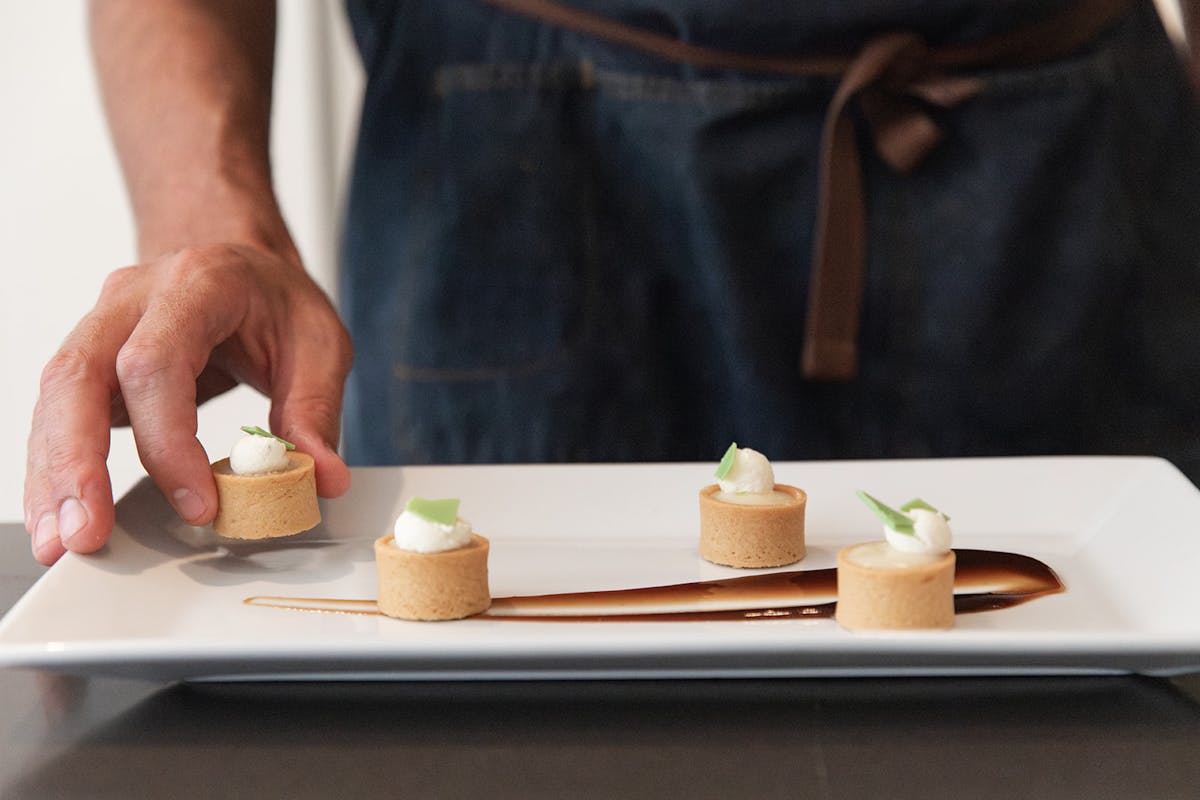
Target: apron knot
892 82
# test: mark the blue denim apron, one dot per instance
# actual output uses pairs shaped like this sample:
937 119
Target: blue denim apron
559 249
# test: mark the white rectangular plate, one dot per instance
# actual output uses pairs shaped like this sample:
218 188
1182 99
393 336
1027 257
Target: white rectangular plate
166 601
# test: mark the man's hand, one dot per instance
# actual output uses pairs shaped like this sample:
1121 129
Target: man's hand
163 337
221 297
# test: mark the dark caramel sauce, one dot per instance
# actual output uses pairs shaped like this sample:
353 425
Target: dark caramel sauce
984 580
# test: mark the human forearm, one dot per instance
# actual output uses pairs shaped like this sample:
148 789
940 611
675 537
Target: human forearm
1190 10
219 297
187 90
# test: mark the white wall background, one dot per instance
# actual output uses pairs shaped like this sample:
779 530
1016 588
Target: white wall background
64 220
64 223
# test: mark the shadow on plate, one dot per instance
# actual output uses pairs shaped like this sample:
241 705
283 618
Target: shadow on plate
147 519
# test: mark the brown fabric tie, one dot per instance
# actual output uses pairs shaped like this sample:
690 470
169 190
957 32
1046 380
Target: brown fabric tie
895 80
891 80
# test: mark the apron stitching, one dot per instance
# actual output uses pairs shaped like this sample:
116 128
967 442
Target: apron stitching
583 75
410 373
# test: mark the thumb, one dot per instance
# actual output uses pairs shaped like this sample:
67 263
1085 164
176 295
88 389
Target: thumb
333 476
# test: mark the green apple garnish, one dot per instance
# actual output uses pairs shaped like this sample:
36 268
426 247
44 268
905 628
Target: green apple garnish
893 519
441 512
726 462
917 502
254 430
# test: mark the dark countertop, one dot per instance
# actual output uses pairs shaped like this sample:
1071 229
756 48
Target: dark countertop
1012 737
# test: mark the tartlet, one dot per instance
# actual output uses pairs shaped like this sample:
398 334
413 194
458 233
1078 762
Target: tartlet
903 595
269 505
750 536
903 582
451 584
432 583
747 520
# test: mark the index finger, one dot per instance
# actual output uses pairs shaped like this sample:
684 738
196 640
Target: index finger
157 369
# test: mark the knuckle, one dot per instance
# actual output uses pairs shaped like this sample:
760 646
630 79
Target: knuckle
35 498
220 258
326 410
56 457
326 332
198 256
154 451
318 412
205 272
138 361
63 457
119 282
69 366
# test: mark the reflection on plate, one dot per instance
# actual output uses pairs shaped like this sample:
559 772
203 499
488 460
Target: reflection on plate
167 601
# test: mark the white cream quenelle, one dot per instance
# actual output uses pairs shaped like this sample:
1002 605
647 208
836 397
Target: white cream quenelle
255 454
745 476
930 533
916 528
431 526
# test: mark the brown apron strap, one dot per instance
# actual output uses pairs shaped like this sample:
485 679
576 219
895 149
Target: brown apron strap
903 133
666 47
893 79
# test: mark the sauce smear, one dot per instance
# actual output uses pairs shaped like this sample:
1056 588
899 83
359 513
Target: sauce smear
984 580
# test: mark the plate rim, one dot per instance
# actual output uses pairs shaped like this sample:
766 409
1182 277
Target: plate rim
1043 652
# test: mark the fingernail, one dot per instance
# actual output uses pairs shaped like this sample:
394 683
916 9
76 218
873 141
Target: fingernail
46 531
72 516
188 504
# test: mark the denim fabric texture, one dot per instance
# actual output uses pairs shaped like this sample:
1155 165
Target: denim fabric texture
556 249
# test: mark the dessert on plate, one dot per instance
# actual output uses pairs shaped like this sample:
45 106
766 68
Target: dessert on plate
432 566
905 580
265 489
746 518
